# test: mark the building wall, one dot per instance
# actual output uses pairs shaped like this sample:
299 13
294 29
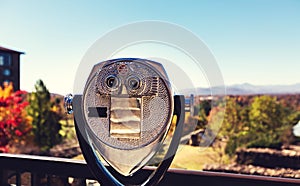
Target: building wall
10 71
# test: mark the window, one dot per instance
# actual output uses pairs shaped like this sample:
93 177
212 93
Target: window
5 59
1 60
6 72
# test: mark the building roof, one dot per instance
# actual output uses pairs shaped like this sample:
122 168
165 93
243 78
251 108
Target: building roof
10 50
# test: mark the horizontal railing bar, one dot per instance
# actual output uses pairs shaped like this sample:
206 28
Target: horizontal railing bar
234 175
78 169
45 165
218 178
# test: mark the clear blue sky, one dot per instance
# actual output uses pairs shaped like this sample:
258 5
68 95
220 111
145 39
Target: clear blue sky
255 41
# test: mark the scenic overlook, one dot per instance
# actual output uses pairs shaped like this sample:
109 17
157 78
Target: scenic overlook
150 93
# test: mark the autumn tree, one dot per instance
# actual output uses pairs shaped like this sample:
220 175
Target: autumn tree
14 121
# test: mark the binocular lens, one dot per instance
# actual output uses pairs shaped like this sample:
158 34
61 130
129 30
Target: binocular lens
112 81
134 83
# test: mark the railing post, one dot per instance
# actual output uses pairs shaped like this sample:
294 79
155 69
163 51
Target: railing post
79 182
3 177
34 179
65 181
18 178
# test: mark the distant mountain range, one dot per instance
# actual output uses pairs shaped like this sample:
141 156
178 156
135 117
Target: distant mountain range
247 89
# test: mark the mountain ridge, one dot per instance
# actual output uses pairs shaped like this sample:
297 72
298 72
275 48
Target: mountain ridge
247 89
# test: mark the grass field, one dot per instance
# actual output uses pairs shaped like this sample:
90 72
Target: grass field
191 158
194 158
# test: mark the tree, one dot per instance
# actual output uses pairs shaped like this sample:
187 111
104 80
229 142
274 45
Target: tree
269 121
45 122
203 110
14 121
263 122
234 125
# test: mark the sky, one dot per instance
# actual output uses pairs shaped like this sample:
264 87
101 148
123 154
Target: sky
254 41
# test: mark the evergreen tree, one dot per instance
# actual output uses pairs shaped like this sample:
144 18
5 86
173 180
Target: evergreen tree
45 121
203 110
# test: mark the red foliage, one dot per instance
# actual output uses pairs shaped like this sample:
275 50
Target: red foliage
14 122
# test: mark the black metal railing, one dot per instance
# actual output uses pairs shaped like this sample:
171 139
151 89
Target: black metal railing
38 170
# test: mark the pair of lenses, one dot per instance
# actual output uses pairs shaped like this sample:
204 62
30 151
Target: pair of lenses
132 82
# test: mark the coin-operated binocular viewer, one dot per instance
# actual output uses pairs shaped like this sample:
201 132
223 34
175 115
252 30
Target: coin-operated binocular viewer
123 118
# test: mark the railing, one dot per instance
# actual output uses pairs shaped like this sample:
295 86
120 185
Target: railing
38 170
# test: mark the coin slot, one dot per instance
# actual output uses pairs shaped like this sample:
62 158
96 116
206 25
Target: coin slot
97 112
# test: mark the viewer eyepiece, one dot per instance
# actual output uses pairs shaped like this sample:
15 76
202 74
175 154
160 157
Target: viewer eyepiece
112 81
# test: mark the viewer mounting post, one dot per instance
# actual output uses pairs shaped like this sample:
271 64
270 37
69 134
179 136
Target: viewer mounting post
123 119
